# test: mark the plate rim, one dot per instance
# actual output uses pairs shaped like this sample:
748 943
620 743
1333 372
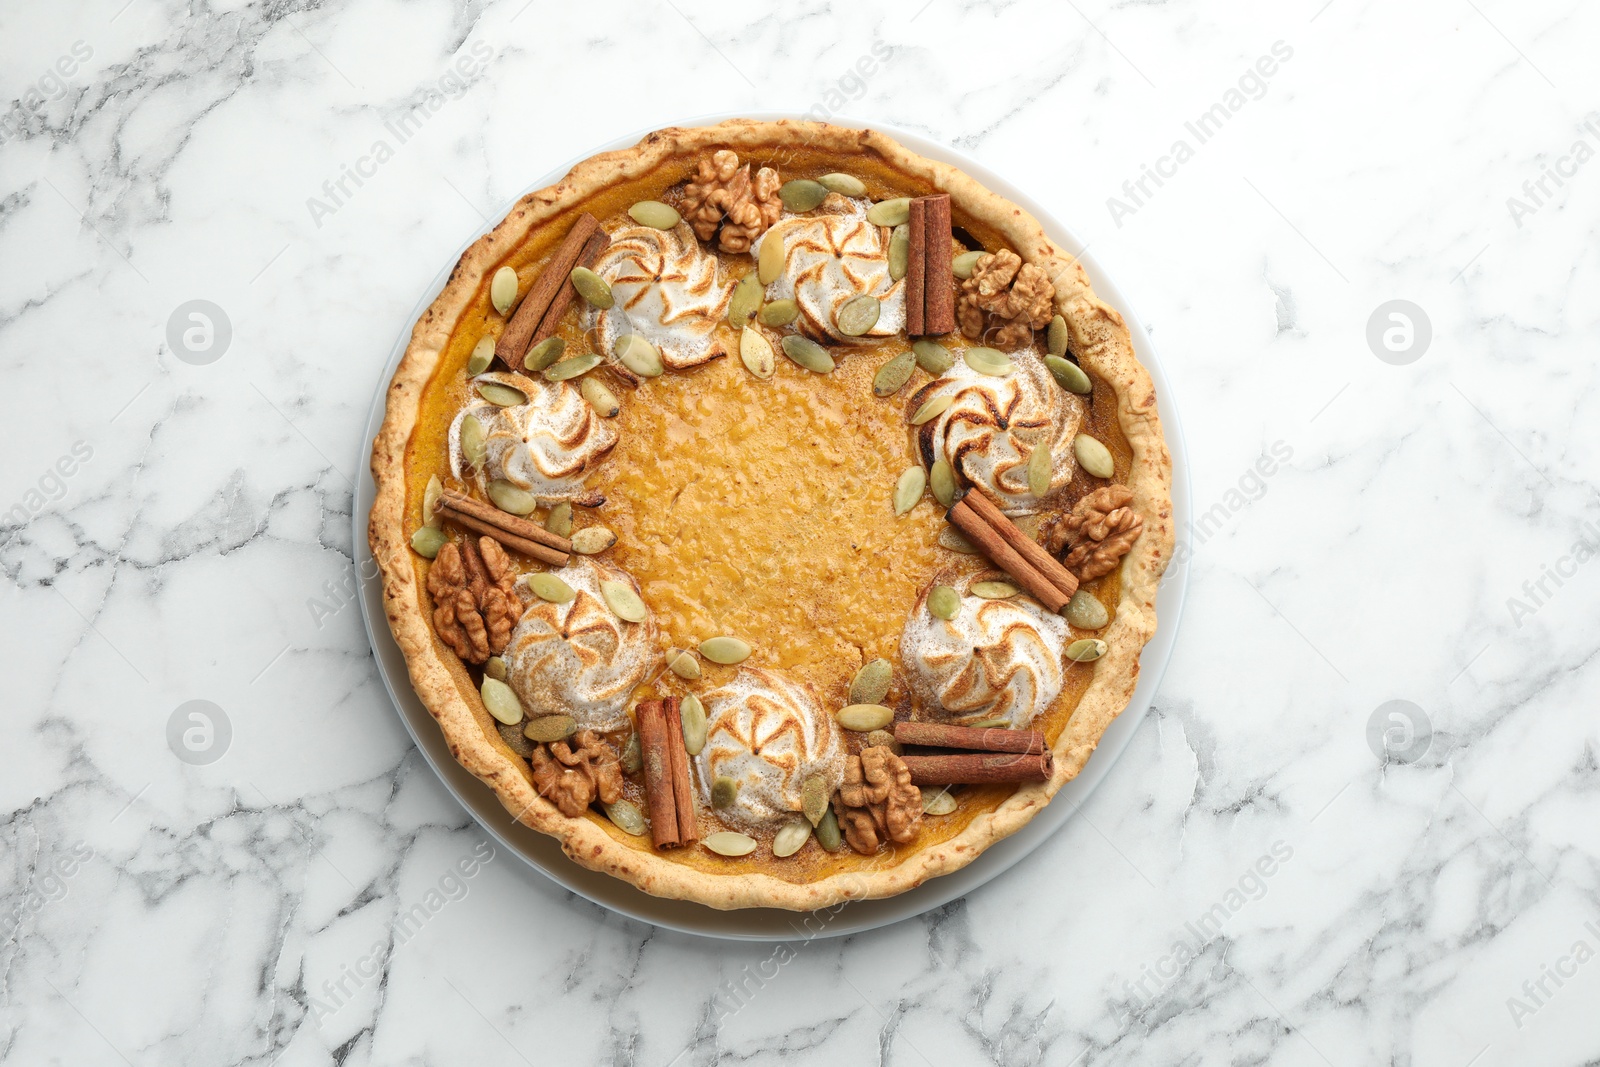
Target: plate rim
766 925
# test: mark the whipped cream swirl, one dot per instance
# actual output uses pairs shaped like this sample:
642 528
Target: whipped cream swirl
993 424
769 734
668 291
579 658
830 256
997 659
546 446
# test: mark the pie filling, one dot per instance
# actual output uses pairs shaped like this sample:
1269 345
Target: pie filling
686 532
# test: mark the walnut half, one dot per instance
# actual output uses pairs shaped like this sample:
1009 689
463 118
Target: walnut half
724 194
1018 294
1098 532
570 774
475 602
877 801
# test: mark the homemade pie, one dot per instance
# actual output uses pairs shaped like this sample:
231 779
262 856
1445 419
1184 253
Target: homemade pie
771 514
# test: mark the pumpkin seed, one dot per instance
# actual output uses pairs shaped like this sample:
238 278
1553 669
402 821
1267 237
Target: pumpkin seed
951 538
810 355
724 791
727 843
639 355
474 444
624 814
544 353
858 315
503 289
962 266
1068 375
814 798
937 802
427 541
1093 456
1055 338
512 736
931 410
511 499
790 838
908 490
746 300
603 400
549 728
1086 649
944 602
654 214
430 500
1085 611
893 375
682 663
769 263
559 521
482 356
864 718
592 539
942 480
1040 467
570 368
988 361
693 714
998 723
495 668
843 184
871 683
501 700
779 313
899 251
592 288
632 758
755 352
547 586
623 601
802 194
503 396
932 357
890 212
883 739
725 650
993 590
828 835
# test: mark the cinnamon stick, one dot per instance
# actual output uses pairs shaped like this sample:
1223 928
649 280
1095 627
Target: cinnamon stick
941 735
501 520
518 335
991 544
531 549
657 760
1026 547
564 296
915 268
938 283
682 788
980 768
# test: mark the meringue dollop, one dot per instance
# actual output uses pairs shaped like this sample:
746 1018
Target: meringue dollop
546 446
769 734
830 257
668 290
997 659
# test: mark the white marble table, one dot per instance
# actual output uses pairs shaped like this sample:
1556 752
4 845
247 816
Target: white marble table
1251 885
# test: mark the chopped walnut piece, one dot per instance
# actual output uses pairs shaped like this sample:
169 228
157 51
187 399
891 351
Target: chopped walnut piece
1100 530
475 603
1019 294
571 773
722 189
877 801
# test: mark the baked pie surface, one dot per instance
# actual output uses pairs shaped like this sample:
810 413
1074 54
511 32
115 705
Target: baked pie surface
760 508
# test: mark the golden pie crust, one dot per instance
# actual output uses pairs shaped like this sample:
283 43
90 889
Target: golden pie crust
1099 340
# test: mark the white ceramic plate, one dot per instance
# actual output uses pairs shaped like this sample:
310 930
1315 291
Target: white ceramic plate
765 924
